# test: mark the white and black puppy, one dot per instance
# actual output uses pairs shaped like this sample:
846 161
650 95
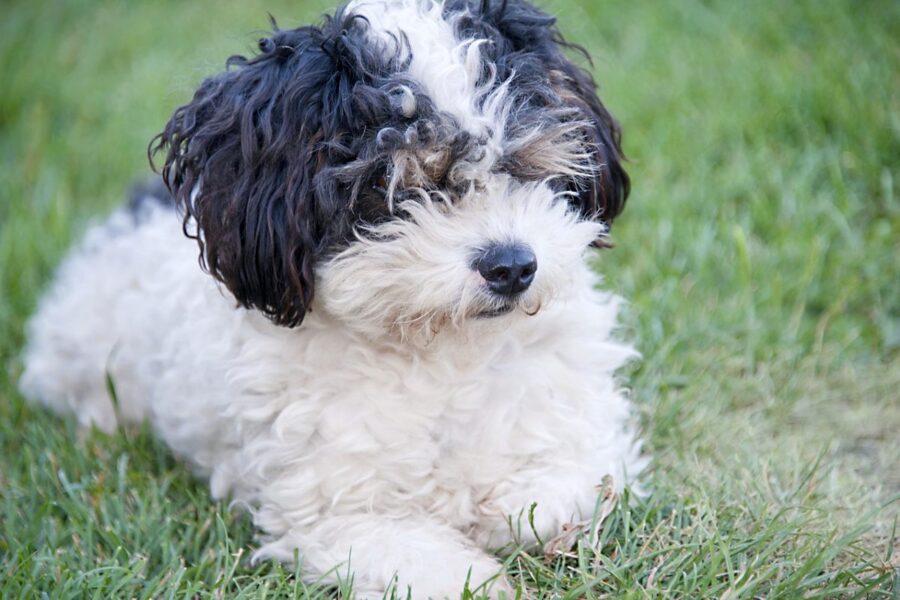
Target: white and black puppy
392 346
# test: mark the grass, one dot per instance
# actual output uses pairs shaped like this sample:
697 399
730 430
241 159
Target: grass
759 252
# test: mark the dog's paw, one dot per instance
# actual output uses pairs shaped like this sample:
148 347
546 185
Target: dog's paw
447 580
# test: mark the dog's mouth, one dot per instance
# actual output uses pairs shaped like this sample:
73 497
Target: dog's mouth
496 312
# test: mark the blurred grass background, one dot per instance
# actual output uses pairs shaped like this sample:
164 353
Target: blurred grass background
760 251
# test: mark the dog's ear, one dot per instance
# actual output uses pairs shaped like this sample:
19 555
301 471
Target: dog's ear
604 197
241 160
531 45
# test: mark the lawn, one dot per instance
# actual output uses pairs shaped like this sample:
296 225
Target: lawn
760 254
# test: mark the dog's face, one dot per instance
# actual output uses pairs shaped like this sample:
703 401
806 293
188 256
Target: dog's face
416 165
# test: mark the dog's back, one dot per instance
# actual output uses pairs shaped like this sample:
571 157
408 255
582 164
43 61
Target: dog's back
110 299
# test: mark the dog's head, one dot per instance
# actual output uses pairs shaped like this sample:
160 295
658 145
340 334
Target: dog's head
409 163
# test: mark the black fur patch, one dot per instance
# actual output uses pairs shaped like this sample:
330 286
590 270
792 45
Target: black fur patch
526 40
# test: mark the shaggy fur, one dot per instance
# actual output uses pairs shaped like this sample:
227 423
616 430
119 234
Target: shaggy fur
349 177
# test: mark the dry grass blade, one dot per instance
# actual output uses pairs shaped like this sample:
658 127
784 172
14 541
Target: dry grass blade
562 543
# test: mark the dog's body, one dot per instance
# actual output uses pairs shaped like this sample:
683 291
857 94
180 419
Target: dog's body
407 427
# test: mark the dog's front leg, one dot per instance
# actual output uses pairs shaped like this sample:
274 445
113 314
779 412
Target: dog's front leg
381 553
534 506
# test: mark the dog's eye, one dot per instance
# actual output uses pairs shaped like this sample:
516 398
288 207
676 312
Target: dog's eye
380 184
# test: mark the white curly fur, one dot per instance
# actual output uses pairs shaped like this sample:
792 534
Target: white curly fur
395 434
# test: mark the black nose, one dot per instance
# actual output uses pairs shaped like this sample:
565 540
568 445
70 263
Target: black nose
507 268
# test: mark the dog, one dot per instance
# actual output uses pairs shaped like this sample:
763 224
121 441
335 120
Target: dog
392 349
